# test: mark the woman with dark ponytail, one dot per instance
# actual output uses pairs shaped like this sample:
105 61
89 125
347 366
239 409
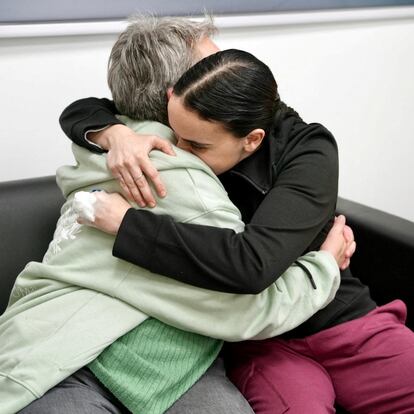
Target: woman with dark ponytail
282 174
234 96
231 87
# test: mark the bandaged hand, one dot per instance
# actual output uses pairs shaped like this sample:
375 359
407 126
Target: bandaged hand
83 205
101 210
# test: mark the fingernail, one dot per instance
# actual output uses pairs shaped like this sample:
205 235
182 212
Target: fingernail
163 193
151 205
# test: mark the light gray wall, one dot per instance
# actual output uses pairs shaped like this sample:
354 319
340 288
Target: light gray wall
356 78
57 10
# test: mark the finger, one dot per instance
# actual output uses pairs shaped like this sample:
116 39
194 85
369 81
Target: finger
340 219
131 195
133 188
152 174
132 175
117 174
339 224
127 191
163 145
348 234
142 190
135 172
145 191
345 264
350 250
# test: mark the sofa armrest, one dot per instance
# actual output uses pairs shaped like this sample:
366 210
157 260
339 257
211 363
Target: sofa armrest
384 259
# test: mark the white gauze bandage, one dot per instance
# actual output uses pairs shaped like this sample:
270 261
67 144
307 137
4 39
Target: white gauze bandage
83 205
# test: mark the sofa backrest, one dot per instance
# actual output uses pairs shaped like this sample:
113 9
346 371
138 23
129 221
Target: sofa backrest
29 210
384 259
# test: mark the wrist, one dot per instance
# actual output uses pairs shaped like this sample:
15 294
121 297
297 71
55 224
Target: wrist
107 136
329 253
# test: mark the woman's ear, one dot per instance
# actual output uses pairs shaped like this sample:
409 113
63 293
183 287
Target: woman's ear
253 140
170 91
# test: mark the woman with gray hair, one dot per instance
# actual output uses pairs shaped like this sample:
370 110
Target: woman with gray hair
147 59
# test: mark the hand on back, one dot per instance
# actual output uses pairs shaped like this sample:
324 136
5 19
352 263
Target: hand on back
129 162
340 242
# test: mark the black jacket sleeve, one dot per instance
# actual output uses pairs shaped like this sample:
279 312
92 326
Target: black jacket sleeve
85 115
289 219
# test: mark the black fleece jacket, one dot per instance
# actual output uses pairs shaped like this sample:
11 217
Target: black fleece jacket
286 192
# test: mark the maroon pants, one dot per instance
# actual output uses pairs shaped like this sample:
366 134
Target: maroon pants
365 365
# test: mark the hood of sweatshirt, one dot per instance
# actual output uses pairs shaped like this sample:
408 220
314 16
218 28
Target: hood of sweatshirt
91 171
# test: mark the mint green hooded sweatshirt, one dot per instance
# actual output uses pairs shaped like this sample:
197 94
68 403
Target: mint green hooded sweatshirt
65 311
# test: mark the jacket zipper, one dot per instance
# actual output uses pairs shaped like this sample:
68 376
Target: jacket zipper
250 181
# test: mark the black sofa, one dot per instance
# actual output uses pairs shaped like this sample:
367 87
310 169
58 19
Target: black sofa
384 259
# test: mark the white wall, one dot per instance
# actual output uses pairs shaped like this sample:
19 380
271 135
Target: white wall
355 78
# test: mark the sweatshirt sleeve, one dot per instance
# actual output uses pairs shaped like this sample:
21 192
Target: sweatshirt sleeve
281 307
88 114
289 220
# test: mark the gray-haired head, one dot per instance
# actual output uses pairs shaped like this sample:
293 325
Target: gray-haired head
149 56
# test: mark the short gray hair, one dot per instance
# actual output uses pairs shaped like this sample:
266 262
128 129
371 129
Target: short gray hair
149 56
